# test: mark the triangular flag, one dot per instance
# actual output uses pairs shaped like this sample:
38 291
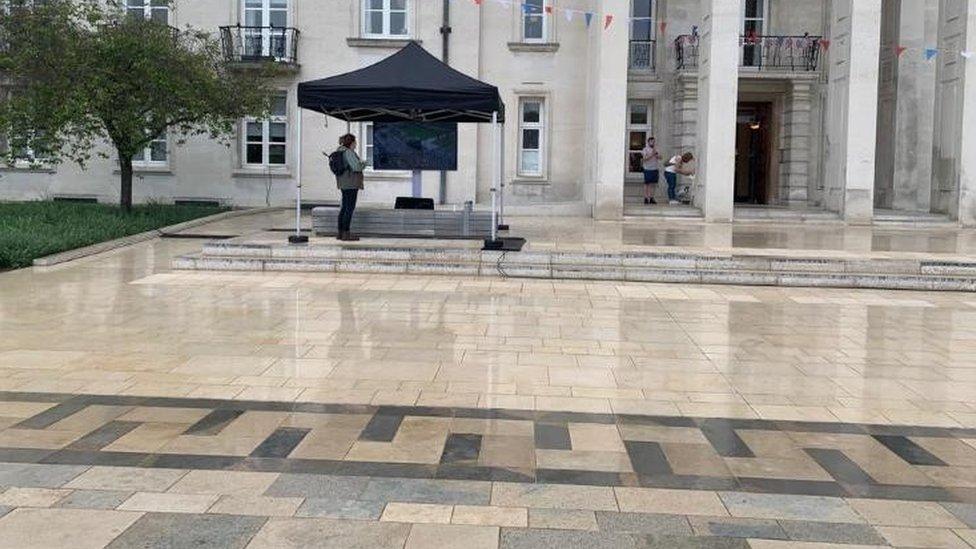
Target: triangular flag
825 44
607 21
569 15
900 50
967 54
477 2
589 17
664 27
931 53
549 9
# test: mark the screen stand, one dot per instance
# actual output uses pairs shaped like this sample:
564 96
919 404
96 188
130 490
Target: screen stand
415 181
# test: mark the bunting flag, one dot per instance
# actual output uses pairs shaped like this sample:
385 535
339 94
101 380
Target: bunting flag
900 50
930 53
825 44
664 27
589 18
569 15
607 21
967 54
549 9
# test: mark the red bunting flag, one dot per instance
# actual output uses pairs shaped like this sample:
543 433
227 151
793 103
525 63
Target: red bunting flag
549 10
607 21
477 2
664 26
900 50
825 44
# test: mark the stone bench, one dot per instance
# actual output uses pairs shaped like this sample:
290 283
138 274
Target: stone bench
374 221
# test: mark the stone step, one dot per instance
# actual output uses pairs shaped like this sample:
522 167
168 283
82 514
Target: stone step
915 274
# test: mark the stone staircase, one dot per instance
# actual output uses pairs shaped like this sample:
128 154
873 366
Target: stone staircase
679 266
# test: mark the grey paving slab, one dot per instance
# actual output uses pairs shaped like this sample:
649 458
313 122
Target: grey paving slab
94 499
787 507
642 523
534 539
737 528
171 531
675 542
317 486
37 475
341 509
428 491
832 532
965 512
330 534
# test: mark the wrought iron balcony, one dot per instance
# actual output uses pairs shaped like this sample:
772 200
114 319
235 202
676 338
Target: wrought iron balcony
766 53
260 44
642 55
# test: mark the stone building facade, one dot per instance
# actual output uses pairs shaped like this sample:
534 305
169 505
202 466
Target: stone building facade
806 106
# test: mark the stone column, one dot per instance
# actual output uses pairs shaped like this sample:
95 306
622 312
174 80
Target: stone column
718 92
609 49
915 108
855 28
967 144
795 163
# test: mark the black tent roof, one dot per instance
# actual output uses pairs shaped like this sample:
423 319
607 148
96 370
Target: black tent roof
411 84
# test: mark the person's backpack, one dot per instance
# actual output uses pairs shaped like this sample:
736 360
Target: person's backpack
337 162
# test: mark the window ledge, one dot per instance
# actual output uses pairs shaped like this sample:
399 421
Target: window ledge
26 169
530 181
543 47
261 173
391 174
367 42
147 170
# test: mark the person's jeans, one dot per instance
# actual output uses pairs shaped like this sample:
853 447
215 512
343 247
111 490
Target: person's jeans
672 179
349 197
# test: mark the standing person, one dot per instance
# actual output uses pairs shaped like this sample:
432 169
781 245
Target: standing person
348 169
651 162
679 164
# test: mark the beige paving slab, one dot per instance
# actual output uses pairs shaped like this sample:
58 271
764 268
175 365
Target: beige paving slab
677 502
553 496
452 536
61 528
485 515
168 503
936 538
904 513
260 506
16 496
232 483
130 479
417 513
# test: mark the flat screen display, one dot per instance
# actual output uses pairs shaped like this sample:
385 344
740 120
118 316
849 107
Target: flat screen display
415 146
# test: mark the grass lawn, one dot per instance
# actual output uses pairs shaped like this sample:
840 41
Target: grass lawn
34 229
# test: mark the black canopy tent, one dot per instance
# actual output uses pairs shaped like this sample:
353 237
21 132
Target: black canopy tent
410 85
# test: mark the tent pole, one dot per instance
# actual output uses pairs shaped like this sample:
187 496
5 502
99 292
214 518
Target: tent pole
495 176
502 226
298 238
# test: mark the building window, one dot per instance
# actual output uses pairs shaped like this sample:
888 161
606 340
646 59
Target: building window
265 141
642 35
366 144
154 10
754 17
155 153
385 18
534 21
639 117
532 120
261 17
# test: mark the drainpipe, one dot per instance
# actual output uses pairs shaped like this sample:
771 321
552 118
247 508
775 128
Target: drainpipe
445 57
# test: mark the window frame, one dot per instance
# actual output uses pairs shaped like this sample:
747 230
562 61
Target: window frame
387 11
147 10
266 137
542 15
267 38
541 127
647 128
147 161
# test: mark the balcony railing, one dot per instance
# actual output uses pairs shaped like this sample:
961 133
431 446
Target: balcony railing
642 55
260 44
772 53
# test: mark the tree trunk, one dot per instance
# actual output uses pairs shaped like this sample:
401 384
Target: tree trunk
125 163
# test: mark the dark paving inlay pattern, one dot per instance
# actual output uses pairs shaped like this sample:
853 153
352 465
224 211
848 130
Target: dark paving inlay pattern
171 531
908 450
462 458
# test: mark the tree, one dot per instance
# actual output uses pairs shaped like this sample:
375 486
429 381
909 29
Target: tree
81 74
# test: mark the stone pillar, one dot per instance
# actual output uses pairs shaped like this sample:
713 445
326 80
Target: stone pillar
966 211
718 92
855 42
915 107
795 163
609 49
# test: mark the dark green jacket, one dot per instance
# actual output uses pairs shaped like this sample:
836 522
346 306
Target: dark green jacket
353 177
